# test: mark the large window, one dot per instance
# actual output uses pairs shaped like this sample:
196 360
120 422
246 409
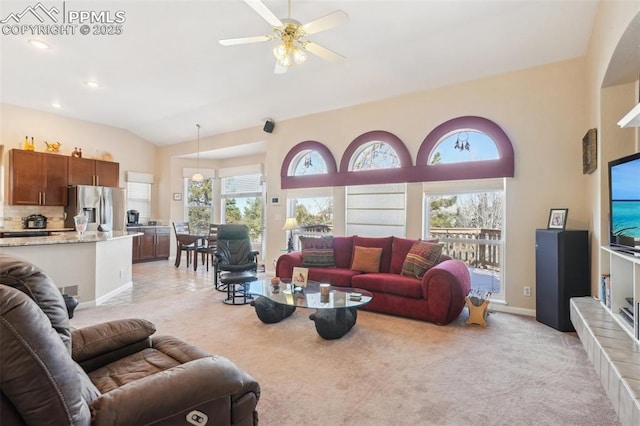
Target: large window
376 210
314 214
199 204
244 203
469 224
139 194
139 198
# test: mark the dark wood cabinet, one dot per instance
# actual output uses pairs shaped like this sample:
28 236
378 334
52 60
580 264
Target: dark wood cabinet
84 171
153 244
163 242
37 178
562 272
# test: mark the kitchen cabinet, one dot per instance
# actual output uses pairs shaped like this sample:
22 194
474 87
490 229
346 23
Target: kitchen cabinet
85 171
153 244
37 178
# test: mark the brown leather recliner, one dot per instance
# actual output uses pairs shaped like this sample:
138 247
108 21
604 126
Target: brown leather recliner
108 374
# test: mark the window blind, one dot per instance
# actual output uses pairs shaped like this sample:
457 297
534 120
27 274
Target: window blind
376 210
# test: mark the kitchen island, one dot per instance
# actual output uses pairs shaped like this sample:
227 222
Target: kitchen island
94 267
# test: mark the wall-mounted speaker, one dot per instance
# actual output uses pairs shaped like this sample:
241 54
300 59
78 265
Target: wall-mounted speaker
269 125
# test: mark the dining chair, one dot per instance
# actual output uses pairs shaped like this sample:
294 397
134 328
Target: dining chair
184 242
209 249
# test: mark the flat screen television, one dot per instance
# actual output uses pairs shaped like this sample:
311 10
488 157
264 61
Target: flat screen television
624 203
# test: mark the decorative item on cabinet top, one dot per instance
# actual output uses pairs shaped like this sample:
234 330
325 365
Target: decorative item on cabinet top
53 147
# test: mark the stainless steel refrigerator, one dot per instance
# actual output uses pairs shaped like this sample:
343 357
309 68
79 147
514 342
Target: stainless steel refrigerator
101 204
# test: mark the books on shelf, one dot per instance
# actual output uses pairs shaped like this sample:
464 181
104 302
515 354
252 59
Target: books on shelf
605 290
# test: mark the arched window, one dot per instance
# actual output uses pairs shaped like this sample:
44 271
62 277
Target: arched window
308 162
490 153
375 190
374 155
464 145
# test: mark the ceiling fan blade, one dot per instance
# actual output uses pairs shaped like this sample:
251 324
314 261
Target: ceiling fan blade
264 11
245 40
326 22
323 52
279 69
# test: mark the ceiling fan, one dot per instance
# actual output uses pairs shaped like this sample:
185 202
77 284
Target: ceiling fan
292 36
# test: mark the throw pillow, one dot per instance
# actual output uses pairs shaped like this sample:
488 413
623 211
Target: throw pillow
317 252
366 259
420 258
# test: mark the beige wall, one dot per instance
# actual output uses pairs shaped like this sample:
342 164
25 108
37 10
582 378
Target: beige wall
132 152
541 109
605 107
544 110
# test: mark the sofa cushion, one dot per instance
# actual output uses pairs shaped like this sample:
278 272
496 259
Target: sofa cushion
385 243
400 248
366 259
343 250
317 251
340 277
421 257
399 285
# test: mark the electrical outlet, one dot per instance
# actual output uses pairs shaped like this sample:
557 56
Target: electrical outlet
527 291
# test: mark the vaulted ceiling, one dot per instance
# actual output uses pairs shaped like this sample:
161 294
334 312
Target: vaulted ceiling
166 71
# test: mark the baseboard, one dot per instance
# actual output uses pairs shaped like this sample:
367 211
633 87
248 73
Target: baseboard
501 306
113 293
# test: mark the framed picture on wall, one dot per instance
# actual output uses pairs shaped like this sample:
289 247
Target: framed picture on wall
590 152
557 218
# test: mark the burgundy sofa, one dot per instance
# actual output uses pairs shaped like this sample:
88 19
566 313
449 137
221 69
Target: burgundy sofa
438 297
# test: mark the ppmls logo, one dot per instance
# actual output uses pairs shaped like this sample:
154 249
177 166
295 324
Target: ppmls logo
40 20
33 10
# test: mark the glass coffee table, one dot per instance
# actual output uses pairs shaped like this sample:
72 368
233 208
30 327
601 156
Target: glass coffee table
336 312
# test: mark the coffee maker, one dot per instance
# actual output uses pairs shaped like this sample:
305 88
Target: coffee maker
132 217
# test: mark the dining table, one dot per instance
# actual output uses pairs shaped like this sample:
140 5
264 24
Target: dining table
189 242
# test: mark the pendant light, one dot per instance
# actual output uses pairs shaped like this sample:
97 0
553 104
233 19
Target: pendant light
197 177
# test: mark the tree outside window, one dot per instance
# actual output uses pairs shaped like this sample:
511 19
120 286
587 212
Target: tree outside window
199 205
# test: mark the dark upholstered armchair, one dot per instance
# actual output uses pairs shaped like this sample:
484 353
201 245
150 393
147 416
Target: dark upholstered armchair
113 373
234 251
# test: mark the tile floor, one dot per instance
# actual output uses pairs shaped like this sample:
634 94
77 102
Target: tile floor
178 280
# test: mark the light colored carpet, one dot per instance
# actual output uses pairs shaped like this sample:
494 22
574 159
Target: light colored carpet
387 370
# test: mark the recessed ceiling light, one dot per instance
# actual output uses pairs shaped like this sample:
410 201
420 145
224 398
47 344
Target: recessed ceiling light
92 83
56 105
38 43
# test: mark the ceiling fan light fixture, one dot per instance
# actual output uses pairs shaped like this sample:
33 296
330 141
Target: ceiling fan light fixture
299 56
280 52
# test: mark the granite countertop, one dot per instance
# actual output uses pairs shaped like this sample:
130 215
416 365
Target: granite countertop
36 230
66 238
147 226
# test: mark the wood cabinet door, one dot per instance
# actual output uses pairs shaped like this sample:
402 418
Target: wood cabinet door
163 242
55 179
81 171
107 173
26 177
135 255
148 244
